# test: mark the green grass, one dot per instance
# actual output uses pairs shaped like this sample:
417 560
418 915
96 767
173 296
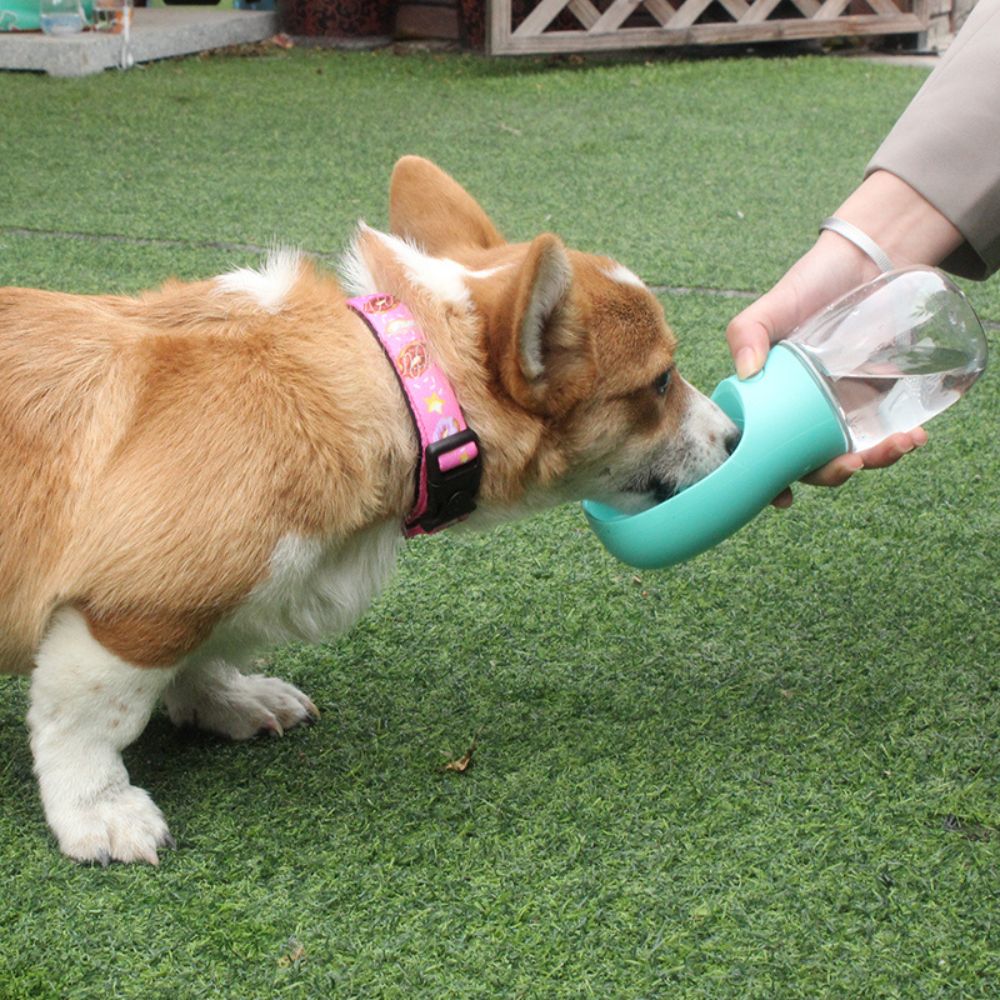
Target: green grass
770 772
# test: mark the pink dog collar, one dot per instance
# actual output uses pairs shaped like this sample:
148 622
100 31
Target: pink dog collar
449 468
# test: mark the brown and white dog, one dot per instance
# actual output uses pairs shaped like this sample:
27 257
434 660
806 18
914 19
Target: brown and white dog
202 472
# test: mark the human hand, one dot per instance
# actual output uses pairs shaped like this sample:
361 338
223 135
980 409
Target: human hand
830 269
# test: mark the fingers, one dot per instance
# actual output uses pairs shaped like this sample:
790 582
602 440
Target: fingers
884 454
831 267
839 470
836 472
893 448
783 500
773 316
749 341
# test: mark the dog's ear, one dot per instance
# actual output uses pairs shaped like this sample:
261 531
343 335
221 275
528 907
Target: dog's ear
539 344
436 213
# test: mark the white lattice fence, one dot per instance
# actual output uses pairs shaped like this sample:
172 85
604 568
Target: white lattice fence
585 25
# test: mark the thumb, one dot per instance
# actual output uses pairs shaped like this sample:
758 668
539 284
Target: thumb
749 341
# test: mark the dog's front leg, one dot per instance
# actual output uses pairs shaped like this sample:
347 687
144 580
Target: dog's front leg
87 705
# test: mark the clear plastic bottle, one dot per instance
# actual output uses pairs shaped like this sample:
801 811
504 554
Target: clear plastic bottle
894 352
61 17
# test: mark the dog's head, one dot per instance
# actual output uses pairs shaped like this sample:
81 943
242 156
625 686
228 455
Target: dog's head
563 361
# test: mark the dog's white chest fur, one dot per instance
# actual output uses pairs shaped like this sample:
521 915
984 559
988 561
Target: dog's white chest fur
312 593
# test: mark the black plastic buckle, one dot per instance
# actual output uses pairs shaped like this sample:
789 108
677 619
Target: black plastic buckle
451 495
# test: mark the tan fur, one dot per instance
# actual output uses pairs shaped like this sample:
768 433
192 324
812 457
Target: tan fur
154 450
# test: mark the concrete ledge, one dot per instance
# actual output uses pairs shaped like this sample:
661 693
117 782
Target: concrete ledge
157 33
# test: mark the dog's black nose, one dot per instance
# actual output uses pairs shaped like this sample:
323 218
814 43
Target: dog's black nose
732 440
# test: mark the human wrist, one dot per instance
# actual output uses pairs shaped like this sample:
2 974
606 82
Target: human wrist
861 240
831 268
900 220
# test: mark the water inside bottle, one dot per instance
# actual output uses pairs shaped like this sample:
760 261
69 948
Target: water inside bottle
899 391
67 23
894 353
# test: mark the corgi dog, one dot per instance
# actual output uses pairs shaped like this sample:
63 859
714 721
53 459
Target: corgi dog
199 473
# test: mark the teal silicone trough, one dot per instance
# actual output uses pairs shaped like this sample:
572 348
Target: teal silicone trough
22 15
789 426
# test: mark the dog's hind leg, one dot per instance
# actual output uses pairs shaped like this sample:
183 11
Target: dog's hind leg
216 696
87 705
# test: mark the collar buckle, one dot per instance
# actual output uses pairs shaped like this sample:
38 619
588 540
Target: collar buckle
451 485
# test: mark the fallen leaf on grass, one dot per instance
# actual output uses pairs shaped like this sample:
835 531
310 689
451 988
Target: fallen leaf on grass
465 762
295 955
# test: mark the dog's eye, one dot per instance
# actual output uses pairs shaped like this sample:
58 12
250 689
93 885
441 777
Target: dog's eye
662 383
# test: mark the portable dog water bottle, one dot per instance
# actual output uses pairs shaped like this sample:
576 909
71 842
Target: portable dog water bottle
886 357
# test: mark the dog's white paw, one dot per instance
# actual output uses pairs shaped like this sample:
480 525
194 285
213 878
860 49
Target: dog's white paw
236 705
122 824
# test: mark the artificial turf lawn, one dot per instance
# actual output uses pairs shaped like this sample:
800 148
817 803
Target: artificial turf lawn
770 772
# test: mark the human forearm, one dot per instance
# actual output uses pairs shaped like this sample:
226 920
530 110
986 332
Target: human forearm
900 220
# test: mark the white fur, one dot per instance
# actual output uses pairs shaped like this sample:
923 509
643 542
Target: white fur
444 278
703 431
621 274
311 593
217 697
87 705
269 285
354 272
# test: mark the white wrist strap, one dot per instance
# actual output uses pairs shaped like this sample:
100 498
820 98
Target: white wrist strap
861 240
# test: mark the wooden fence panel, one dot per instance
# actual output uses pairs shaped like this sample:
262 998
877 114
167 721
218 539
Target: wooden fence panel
604 25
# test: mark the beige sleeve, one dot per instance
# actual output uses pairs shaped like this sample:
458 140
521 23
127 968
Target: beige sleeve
946 144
